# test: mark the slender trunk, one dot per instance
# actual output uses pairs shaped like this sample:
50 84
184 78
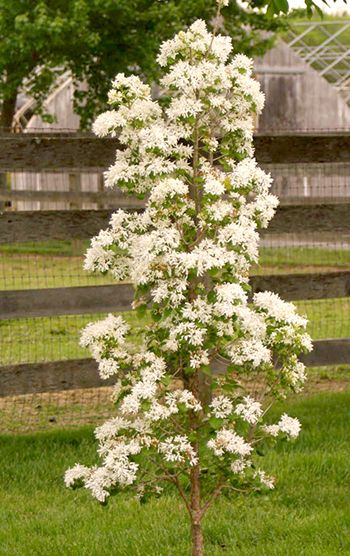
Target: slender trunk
196 526
195 383
197 540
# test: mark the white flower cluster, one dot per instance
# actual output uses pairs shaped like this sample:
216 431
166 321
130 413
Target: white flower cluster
227 440
153 369
107 343
197 39
117 469
287 425
178 449
250 410
278 309
221 407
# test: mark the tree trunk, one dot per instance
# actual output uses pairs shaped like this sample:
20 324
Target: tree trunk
6 118
197 540
196 526
7 112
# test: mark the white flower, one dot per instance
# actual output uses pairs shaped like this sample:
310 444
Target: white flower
107 368
98 259
128 88
249 351
243 62
198 359
228 296
250 410
287 425
290 426
229 441
239 466
272 430
251 322
185 397
306 342
76 473
168 188
221 407
219 210
265 480
278 309
111 428
112 327
178 449
213 186
106 123
295 374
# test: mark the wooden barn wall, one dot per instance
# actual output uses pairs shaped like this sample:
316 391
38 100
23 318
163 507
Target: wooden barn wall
297 97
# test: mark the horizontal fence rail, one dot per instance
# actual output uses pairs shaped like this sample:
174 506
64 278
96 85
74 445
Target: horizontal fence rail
117 200
74 151
82 373
107 196
28 226
65 301
100 299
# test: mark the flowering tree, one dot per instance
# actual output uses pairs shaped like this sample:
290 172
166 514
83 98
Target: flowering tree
188 256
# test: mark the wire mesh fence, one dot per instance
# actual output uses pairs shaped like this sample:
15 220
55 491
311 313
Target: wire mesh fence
52 263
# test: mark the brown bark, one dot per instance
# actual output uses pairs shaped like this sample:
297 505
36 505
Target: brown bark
7 112
196 514
197 540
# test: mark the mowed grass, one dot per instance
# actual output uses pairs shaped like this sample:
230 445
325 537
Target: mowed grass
307 514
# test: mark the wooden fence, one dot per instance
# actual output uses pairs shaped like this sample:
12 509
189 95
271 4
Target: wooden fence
76 153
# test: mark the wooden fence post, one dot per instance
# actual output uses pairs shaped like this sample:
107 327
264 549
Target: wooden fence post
75 187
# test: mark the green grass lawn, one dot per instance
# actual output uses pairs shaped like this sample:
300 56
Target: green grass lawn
308 514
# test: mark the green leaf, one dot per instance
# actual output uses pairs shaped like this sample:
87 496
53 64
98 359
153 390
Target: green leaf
145 405
215 423
141 310
282 5
188 371
166 380
211 296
